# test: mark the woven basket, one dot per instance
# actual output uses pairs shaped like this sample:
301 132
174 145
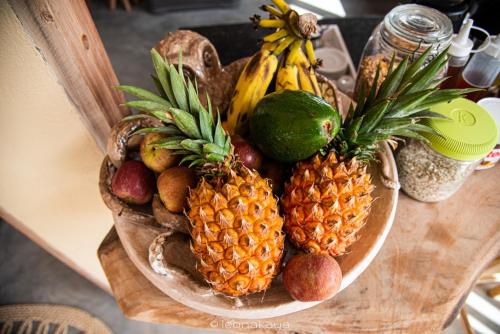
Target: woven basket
44 319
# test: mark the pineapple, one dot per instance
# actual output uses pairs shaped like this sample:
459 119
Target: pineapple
234 219
328 197
236 231
326 202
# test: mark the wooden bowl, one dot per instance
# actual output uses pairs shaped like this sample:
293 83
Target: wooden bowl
139 227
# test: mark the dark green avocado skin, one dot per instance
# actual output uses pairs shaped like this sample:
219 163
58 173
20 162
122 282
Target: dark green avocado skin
293 125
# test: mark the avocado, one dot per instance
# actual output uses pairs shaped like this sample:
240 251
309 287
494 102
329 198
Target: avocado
293 125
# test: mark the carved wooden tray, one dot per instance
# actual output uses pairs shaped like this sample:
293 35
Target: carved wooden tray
138 227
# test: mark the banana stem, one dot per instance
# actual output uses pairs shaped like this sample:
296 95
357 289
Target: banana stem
303 26
308 25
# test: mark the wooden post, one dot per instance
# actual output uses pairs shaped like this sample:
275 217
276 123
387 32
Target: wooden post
66 37
57 106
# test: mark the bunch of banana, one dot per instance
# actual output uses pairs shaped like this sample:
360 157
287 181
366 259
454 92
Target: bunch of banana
295 71
253 83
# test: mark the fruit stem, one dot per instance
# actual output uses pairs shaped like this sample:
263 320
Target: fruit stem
301 26
308 25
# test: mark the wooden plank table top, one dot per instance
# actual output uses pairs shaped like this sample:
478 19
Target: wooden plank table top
416 284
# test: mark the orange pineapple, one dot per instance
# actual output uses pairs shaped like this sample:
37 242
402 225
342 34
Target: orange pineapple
235 227
328 197
236 232
326 203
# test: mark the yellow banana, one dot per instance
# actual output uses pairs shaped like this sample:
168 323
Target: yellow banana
310 52
314 80
251 88
307 76
277 22
294 51
269 46
282 5
283 44
295 72
271 23
275 36
287 77
272 10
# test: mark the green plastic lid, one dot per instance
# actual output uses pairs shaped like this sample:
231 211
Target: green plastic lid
469 134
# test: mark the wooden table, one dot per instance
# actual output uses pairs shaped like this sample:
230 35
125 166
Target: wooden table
416 284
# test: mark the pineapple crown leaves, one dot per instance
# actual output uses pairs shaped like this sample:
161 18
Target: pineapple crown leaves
190 128
396 108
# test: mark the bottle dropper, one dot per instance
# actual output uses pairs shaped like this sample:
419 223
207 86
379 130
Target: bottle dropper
459 53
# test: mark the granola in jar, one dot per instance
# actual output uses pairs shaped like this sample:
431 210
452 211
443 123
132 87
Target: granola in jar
434 170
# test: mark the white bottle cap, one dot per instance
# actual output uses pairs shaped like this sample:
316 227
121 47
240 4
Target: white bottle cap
461 45
493 48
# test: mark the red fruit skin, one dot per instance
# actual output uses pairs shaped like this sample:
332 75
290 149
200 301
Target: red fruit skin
247 153
133 183
312 277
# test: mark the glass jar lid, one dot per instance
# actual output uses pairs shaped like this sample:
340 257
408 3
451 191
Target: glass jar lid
414 28
469 133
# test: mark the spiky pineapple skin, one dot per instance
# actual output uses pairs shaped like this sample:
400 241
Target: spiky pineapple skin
326 203
236 233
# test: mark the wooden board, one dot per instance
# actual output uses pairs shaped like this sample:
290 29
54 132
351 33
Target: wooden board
67 39
428 264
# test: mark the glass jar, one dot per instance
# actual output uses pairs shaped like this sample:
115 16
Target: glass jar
433 171
407 30
429 176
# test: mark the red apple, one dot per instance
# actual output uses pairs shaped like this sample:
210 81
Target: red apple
312 277
133 183
246 152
